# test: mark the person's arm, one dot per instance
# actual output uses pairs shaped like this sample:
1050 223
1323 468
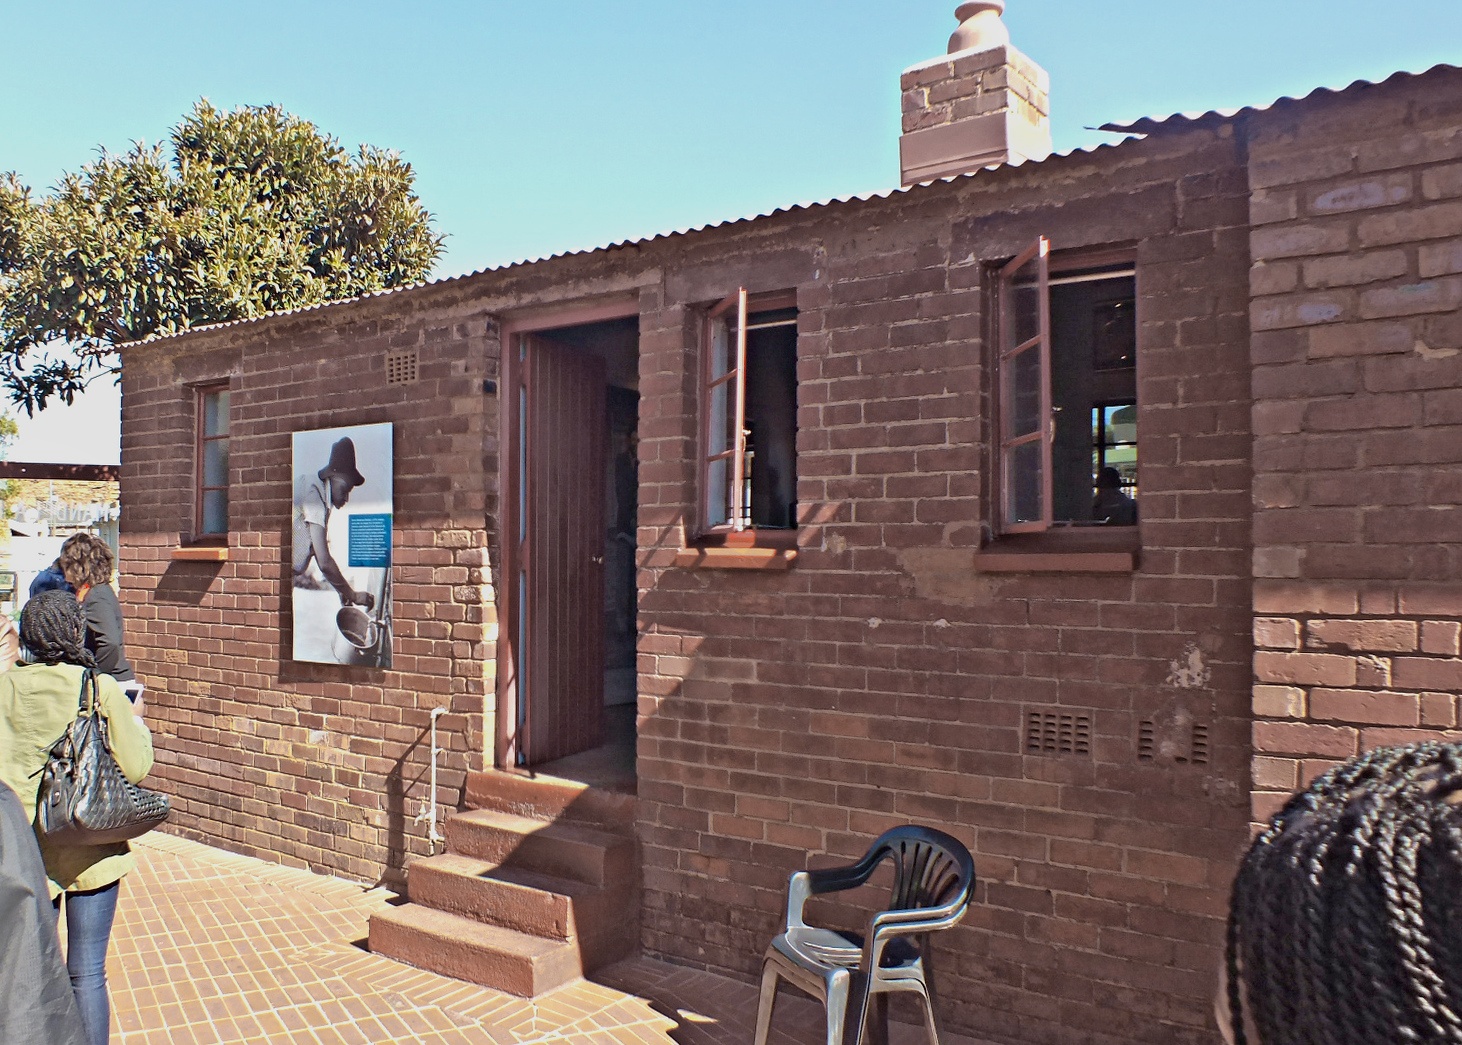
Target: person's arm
332 572
130 739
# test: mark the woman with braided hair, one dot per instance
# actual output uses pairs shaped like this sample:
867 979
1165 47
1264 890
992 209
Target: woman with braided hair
1345 924
38 700
87 564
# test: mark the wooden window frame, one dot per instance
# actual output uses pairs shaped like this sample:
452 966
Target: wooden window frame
737 531
1012 442
1041 546
201 438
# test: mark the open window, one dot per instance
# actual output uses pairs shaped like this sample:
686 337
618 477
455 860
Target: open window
749 415
210 510
1066 376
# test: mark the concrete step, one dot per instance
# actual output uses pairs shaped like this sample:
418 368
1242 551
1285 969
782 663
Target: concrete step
567 850
452 945
526 901
543 797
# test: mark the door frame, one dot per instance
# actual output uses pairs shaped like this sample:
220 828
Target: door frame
510 327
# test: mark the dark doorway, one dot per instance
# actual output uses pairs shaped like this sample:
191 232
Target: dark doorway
576 592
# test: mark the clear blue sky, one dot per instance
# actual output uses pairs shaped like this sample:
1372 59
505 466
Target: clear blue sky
541 127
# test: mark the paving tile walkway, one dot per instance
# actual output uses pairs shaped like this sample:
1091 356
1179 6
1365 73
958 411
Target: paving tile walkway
211 947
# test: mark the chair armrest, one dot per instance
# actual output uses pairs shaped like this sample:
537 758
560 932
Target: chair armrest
799 888
917 920
887 925
836 879
805 884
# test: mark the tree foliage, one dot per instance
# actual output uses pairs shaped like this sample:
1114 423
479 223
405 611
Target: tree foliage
248 212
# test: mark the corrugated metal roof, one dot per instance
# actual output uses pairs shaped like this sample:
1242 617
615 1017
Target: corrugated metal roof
1186 120
617 245
1143 126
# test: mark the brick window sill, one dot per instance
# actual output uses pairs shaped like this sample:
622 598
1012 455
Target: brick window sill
200 553
1083 551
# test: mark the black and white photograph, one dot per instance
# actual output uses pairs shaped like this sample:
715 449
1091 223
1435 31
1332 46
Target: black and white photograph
341 569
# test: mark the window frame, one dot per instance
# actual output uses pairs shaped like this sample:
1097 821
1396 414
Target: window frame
1047 546
201 393
1011 442
738 529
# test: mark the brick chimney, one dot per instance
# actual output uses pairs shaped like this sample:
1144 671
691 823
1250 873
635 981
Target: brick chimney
982 103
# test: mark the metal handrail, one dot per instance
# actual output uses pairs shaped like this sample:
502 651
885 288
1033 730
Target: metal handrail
429 813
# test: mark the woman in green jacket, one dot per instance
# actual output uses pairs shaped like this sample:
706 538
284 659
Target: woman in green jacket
38 700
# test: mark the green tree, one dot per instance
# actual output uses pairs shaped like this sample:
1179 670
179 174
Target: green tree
250 211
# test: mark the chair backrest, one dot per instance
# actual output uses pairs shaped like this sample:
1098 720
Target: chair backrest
931 868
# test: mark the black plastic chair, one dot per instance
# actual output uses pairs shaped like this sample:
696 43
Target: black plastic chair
934 876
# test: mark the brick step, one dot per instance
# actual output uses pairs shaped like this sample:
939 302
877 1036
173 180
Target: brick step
451 945
525 901
543 797
575 851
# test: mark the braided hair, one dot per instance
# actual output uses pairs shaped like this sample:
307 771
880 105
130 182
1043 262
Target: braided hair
53 629
1345 924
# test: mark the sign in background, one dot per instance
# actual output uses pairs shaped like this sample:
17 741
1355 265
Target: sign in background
357 543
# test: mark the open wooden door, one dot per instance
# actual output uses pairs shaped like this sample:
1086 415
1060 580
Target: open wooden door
560 584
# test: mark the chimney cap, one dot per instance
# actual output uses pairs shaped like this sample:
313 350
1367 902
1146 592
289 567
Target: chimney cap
980 27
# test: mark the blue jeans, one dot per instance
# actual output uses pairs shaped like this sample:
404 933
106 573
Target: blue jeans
88 930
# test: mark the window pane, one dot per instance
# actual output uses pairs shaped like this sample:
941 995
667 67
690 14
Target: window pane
1024 375
1025 310
722 359
215 511
215 413
718 488
1023 483
771 420
1121 424
215 462
722 420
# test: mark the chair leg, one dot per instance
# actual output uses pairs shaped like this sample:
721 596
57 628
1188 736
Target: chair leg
837 1009
929 994
767 1002
930 1025
927 953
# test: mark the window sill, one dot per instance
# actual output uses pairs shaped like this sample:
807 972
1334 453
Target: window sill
200 553
736 558
1090 551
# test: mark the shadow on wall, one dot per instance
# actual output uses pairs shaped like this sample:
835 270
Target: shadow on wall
186 583
399 782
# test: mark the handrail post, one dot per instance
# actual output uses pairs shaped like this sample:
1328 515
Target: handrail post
429 814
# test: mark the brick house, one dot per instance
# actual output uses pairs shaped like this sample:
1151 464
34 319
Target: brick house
1081 507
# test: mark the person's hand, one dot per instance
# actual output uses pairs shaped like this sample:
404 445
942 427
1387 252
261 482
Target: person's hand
364 599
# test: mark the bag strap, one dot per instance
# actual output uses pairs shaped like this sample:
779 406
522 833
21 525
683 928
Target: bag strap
88 687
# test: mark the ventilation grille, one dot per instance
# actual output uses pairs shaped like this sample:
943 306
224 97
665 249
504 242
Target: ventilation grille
401 367
1198 753
1057 733
1146 741
1197 744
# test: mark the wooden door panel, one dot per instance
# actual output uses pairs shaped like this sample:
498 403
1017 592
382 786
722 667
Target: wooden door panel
561 669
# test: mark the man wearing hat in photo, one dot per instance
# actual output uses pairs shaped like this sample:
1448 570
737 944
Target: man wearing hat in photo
315 497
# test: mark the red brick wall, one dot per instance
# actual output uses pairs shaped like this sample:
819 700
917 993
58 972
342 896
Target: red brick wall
314 765
785 718
883 679
1357 356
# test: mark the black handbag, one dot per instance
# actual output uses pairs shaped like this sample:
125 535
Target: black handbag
84 799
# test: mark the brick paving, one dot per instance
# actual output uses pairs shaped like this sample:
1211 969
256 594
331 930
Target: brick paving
211 947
